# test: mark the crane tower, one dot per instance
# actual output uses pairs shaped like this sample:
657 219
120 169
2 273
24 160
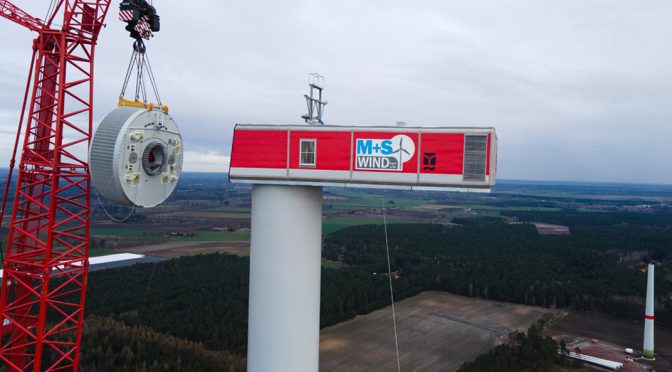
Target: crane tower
47 255
46 262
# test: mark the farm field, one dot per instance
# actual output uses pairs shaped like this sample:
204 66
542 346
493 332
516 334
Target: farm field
339 223
177 249
203 204
437 332
93 251
550 229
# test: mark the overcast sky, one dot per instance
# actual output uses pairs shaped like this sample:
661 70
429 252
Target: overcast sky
577 90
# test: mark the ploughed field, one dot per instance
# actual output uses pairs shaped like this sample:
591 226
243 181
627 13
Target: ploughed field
437 331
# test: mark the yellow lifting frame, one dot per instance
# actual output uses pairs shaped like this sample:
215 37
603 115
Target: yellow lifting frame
149 106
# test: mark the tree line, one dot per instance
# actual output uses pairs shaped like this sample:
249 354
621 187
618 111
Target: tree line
524 352
513 263
203 299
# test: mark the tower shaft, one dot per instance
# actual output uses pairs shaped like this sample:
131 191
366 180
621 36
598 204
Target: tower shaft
647 351
285 269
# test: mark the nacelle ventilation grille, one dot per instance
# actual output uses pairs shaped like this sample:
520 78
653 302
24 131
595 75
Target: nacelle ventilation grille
475 153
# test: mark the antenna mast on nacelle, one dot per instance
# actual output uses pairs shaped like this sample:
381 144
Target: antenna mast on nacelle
314 100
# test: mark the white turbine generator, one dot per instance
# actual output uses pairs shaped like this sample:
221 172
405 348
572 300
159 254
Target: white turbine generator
136 156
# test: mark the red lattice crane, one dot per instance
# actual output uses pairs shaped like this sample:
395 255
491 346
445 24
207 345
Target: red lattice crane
46 261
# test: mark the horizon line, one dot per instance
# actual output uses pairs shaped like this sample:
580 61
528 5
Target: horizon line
523 180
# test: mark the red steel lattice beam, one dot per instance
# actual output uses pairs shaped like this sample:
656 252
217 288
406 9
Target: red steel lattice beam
45 268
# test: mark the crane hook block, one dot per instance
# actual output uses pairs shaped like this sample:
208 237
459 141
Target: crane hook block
141 18
136 156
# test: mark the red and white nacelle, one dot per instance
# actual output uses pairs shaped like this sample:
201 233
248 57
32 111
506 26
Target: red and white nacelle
414 158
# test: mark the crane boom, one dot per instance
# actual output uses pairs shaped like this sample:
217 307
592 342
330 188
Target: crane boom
16 14
46 261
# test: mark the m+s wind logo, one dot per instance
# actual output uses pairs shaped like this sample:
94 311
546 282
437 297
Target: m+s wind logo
384 154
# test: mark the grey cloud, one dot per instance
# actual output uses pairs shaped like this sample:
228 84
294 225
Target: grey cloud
578 90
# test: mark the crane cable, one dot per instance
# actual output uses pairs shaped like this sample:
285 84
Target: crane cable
389 277
52 7
144 298
139 64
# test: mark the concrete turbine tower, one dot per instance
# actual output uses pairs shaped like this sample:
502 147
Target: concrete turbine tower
648 317
288 165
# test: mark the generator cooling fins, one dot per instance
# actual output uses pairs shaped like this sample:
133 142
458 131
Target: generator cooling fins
136 156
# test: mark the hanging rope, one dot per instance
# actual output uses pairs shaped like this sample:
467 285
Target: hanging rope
389 277
149 285
108 213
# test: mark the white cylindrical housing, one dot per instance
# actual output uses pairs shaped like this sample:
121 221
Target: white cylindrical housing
285 267
136 156
647 351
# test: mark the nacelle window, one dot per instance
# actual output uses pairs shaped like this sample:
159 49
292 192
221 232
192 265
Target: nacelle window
308 153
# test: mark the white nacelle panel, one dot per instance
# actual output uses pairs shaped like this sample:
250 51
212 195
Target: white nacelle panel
136 156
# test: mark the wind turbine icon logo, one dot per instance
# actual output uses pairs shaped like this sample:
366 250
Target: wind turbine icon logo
404 147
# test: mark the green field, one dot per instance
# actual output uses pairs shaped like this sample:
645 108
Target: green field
122 232
92 251
111 232
233 209
374 202
340 223
234 215
535 209
213 236
365 199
